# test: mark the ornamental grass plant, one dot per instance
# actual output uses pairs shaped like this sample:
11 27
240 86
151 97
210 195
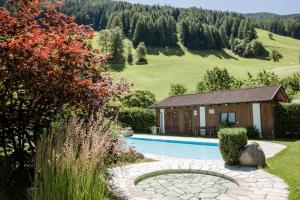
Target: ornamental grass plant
72 162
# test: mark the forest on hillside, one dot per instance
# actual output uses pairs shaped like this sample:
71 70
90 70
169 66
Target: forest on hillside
164 26
286 25
195 28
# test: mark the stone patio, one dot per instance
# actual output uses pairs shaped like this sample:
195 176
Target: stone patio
183 186
252 183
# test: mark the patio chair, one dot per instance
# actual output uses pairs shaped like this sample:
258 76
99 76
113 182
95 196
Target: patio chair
211 130
202 131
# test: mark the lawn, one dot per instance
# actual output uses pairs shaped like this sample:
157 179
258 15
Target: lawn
167 66
286 165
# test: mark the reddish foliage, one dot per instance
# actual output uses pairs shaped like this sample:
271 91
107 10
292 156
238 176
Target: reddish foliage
46 62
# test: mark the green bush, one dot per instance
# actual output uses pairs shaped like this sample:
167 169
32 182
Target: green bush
139 98
276 56
291 84
248 49
287 120
139 119
252 132
177 89
232 142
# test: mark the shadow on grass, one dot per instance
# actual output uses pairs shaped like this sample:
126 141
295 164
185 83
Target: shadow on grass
281 139
116 66
167 51
219 53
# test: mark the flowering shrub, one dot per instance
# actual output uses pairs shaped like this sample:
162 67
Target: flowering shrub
47 62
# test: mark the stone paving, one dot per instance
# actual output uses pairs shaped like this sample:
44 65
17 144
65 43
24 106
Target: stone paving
183 186
253 184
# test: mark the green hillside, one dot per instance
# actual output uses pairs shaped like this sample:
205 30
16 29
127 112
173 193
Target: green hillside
266 15
167 66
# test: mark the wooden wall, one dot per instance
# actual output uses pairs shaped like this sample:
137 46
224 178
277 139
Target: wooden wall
184 120
180 120
243 113
267 119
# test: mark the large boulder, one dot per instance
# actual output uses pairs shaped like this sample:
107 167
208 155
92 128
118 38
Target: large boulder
253 155
127 132
134 154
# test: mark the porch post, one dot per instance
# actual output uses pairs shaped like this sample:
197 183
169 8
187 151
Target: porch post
202 116
162 121
256 117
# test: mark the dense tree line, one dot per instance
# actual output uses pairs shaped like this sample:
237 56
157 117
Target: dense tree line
283 25
158 26
153 25
220 79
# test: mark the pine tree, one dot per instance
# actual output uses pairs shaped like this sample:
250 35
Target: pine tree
138 33
223 36
129 53
183 32
150 36
172 38
115 21
141 51
234 29
217 38
232 42
104 41
241 29
210 41
249 31
162 29
133 25
117 47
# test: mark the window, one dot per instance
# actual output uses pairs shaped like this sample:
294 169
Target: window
228 117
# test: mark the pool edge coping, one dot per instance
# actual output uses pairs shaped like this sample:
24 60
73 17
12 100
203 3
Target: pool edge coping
270 148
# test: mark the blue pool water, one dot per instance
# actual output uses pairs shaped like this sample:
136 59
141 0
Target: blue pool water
176 148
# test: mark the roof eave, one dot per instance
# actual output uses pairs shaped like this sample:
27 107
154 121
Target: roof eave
206 104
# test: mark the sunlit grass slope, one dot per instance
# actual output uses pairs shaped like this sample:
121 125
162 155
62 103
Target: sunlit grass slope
167 66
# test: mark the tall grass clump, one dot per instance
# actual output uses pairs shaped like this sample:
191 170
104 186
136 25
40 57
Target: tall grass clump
72 162
232 142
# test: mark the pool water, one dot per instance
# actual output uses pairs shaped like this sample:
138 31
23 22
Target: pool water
176 148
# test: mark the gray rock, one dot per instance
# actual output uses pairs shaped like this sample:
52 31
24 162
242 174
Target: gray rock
127 132
253 155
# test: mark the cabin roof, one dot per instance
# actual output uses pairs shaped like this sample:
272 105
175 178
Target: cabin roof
258 94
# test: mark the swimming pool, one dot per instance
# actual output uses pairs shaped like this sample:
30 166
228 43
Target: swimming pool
176 148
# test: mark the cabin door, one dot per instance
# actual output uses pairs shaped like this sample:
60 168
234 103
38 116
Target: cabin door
175 125
168 117
172 121
188 121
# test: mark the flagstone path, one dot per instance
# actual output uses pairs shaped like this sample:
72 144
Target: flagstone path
193 179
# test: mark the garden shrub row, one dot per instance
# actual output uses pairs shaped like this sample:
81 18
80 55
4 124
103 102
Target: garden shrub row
287 120
232 143
139 119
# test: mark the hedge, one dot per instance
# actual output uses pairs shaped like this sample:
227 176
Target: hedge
139 119
252 132
232 143
287 120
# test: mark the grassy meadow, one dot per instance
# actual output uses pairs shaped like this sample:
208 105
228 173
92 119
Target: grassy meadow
167 66
286 165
